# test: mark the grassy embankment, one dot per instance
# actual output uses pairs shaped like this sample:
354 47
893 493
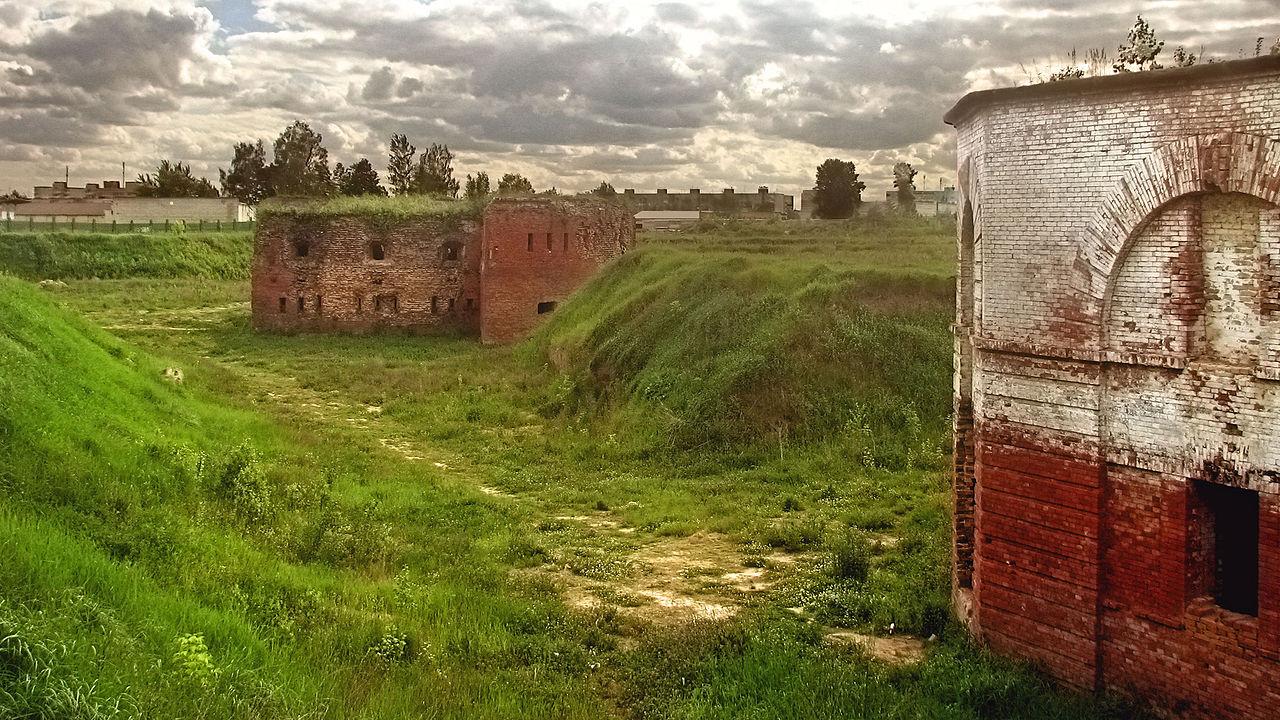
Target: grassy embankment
323 526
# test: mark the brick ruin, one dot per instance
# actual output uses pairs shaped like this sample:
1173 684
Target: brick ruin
495 274
1117 384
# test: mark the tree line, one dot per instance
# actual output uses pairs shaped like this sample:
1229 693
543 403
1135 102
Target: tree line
837 191
299 167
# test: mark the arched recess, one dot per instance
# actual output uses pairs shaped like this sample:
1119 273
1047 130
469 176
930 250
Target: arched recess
1223 163
964 453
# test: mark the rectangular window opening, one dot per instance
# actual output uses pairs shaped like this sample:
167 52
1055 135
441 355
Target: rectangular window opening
566 242
471 304
319 303
451 304
302 304
1232 562
435 305
284 305
359 304
531 242
548 242
546 307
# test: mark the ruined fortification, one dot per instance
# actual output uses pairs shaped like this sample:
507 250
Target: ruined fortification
490 269
1117 385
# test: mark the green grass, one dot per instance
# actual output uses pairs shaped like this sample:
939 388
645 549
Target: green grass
399 207
252 543
67 255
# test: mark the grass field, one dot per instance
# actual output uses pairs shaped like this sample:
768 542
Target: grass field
705 489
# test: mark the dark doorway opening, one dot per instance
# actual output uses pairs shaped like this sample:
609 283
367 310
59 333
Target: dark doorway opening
546 307
1233 513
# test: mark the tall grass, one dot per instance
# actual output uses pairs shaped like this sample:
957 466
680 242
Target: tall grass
67 255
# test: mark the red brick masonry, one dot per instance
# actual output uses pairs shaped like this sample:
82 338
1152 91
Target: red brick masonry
495 276
1117 391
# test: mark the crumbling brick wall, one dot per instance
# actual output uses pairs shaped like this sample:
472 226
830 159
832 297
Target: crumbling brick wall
356 274
496 275
1117 393
537 251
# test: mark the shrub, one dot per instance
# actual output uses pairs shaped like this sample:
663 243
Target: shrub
851 557
192 662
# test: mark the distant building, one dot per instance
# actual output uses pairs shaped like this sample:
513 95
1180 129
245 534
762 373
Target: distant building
127 209
666 219
90 191
726 201
928 202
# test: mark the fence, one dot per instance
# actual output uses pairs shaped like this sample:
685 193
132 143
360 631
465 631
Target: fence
51 223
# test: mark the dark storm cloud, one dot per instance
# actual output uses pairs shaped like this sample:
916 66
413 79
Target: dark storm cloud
379 85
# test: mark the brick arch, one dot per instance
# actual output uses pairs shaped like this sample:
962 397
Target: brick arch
1227 162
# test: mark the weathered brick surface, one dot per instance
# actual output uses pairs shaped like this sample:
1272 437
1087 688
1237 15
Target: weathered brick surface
1117 348
354 274
537 252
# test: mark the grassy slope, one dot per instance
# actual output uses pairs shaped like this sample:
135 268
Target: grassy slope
67 255
304 561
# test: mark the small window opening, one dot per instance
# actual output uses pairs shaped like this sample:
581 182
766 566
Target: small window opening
1233 559
284 305
377 303
359 303
301 248
546 307
452 251
319 303
302 304
435 305
471 304
566 242
548 242
376 251
451 300
530 248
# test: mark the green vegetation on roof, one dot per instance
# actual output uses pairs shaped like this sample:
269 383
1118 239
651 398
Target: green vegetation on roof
400 207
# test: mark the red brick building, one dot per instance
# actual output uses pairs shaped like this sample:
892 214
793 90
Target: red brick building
492 271
1117 385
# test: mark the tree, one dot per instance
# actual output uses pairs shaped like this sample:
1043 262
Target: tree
837 191
904 180
248 180
604 189
301 164
359 179
1141 49
13 196
400 164
478 186
174 180
1182 58
434 173
514 184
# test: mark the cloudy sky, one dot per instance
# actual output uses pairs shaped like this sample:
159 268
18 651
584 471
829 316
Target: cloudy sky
711 94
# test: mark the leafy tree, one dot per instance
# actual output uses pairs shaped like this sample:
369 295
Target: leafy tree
604 189
1182 58
400 164
904 180
478 186
1140 50
837 191
514 184
359 179
14 196
248 180
434 173
174 180
301 165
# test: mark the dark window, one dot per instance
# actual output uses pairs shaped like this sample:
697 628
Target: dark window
451 304
566 242
302 304
376 251
471 304
435 305
319 303
284 305
452 251
530 241
546 307
1233 559
548 242
301 248
359 303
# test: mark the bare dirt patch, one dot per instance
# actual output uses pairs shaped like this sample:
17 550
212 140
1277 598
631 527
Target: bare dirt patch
891 649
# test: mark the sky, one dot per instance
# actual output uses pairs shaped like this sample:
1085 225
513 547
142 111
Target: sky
710 94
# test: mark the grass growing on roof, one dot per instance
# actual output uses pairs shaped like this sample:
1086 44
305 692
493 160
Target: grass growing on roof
394 208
